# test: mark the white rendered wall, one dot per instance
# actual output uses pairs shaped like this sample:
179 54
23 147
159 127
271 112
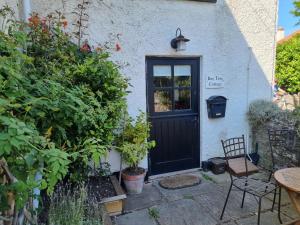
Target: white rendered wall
234 38
13 4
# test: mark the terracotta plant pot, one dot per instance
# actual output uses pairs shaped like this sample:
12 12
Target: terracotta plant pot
133 183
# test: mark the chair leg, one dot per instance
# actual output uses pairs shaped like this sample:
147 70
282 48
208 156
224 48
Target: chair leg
259 211
244 194
221 217
274 199
279 206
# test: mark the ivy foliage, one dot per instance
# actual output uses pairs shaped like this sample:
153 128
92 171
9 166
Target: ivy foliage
59 104
288 65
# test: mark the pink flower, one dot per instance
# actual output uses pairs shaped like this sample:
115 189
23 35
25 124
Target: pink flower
85 48
118 47
34 20
65 24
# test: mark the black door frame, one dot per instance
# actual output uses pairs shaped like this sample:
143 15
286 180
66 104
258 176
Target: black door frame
197 86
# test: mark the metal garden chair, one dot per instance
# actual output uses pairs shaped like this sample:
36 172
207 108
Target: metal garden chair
240 169
285 153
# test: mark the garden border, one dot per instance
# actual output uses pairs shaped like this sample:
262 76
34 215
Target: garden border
114 205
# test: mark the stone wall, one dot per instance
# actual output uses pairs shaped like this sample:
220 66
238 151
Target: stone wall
260 136
287 101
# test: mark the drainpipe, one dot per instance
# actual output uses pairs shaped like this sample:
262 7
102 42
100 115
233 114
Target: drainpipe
26 9
247 100
274 47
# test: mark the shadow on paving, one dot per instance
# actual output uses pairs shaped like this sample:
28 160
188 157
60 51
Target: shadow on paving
198 205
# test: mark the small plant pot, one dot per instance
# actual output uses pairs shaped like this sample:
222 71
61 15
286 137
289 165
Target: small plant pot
134 183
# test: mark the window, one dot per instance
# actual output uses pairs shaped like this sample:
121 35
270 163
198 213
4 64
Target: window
172 87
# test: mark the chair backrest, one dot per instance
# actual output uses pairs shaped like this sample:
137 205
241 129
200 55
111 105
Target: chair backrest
283 148
233 148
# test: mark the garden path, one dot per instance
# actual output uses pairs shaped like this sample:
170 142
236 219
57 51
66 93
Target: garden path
198 205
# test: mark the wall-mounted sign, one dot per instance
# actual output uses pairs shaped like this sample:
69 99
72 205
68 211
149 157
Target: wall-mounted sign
215 81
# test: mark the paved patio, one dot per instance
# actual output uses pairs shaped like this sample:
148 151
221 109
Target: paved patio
198 205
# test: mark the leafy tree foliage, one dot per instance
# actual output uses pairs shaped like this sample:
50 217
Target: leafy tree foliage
288 65
296 11
59 104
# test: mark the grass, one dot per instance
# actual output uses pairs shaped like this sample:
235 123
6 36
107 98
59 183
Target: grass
153 213
188 197
207 177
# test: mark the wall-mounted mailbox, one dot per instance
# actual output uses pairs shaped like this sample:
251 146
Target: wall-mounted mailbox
216 106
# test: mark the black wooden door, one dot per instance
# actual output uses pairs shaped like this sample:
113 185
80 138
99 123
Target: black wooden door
173 107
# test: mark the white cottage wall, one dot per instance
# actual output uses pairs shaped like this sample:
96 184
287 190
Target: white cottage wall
233 38
14 5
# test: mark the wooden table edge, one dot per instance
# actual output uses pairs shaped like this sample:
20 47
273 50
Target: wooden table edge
284 185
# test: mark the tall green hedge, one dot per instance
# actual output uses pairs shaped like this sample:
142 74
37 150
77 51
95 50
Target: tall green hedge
288 65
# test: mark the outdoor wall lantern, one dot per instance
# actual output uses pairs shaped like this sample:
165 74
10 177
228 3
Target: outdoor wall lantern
179 43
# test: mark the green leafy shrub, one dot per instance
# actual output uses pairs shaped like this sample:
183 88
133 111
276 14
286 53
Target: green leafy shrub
133 142
264 113
261 112
59 105
296 11
288 65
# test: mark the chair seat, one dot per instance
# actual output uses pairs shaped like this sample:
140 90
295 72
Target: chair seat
254 186
238 168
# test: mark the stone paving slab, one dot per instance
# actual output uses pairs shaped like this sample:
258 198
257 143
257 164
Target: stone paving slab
290 211
149 197
268 218
233 210
200 205
136 218
229 223
220 178
184 212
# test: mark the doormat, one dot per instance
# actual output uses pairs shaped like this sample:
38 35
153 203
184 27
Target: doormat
179 181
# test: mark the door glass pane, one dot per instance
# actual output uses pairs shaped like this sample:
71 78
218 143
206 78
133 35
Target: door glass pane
182 75
162 101
162 76
182 99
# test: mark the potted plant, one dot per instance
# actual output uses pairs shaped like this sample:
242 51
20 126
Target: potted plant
134 146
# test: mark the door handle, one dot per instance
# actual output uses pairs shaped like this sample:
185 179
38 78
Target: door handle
196 120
